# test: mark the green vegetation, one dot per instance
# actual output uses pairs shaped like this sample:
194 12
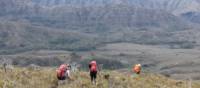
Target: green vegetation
18 37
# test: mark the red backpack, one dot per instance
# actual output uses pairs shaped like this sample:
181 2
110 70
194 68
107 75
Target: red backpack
61 70
93 65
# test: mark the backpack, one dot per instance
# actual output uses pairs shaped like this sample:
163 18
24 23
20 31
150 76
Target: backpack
137 68
61 70
93 67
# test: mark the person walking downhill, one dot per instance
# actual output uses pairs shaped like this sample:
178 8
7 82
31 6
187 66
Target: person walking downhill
63 72
93 71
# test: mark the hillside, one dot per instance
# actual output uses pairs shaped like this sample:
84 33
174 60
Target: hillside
162 35
20 37
170 5
176 7
45 78
176 63
87 27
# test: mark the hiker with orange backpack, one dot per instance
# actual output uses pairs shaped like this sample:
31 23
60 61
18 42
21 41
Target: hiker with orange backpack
93 71
63 72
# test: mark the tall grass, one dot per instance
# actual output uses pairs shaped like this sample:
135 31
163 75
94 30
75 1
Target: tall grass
46 78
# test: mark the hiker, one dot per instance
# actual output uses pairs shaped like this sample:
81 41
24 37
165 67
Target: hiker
93 71
137 68
63 72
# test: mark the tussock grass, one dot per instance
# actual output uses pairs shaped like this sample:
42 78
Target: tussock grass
46 78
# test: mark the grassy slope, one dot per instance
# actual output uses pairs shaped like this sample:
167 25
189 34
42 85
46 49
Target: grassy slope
18 37
179 63
45 78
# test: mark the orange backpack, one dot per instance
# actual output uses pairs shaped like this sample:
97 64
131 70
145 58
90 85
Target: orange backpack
137 68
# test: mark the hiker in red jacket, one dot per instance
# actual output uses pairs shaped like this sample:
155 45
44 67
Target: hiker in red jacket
63 72
93 71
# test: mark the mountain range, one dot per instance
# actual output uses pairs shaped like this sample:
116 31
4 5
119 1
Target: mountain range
86 24
175 6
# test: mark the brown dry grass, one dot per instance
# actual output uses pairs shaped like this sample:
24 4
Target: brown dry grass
45 78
